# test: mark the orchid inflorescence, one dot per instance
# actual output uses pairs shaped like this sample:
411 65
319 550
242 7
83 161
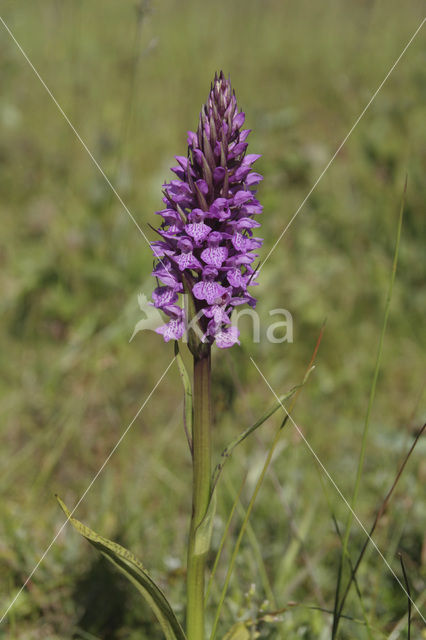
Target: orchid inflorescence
207 246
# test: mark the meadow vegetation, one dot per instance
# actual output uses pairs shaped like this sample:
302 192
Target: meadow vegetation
131 76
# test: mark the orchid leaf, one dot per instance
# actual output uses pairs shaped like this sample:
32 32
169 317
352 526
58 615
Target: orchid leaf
136 573
187 387
203 534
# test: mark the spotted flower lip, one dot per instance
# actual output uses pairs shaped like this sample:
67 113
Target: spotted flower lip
207 246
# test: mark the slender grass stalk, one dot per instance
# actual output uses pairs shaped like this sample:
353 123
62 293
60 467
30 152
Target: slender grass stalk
396 633
407 586
357 621
201 446
368 413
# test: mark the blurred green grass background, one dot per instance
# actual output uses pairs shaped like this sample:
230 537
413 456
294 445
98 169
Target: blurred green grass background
131 77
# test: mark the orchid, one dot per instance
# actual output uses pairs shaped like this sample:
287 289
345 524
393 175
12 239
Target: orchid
203 265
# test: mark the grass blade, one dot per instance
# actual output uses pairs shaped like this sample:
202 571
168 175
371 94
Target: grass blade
407 586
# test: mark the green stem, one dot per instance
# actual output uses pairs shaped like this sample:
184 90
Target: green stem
201 464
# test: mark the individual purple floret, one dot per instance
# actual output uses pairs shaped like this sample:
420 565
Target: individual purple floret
207 246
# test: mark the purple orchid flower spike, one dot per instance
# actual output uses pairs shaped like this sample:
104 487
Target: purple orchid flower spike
207 245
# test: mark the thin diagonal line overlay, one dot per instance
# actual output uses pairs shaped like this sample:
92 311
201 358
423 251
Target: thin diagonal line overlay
345 139
107 459
79 138
340 493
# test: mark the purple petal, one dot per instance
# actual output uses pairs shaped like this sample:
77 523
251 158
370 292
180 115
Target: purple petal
187 261
198 230
209 273
220 209
173 330
218 204
253 178
196 215
214 256
209 291
239 241
242 196
237 150
185 244
215 238
244 223
246 258
253 209
170 215
236 278
219 174
240 174
238 121
167 277
227 338
203 186
161 249
179 192
164 295
174 311
243 134
171 232
179 172
253 243
192 139
245 299
249 158
218 313
183 161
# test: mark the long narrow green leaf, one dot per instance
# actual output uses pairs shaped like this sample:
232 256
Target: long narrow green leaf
203 533
227 452
188 415
135 572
